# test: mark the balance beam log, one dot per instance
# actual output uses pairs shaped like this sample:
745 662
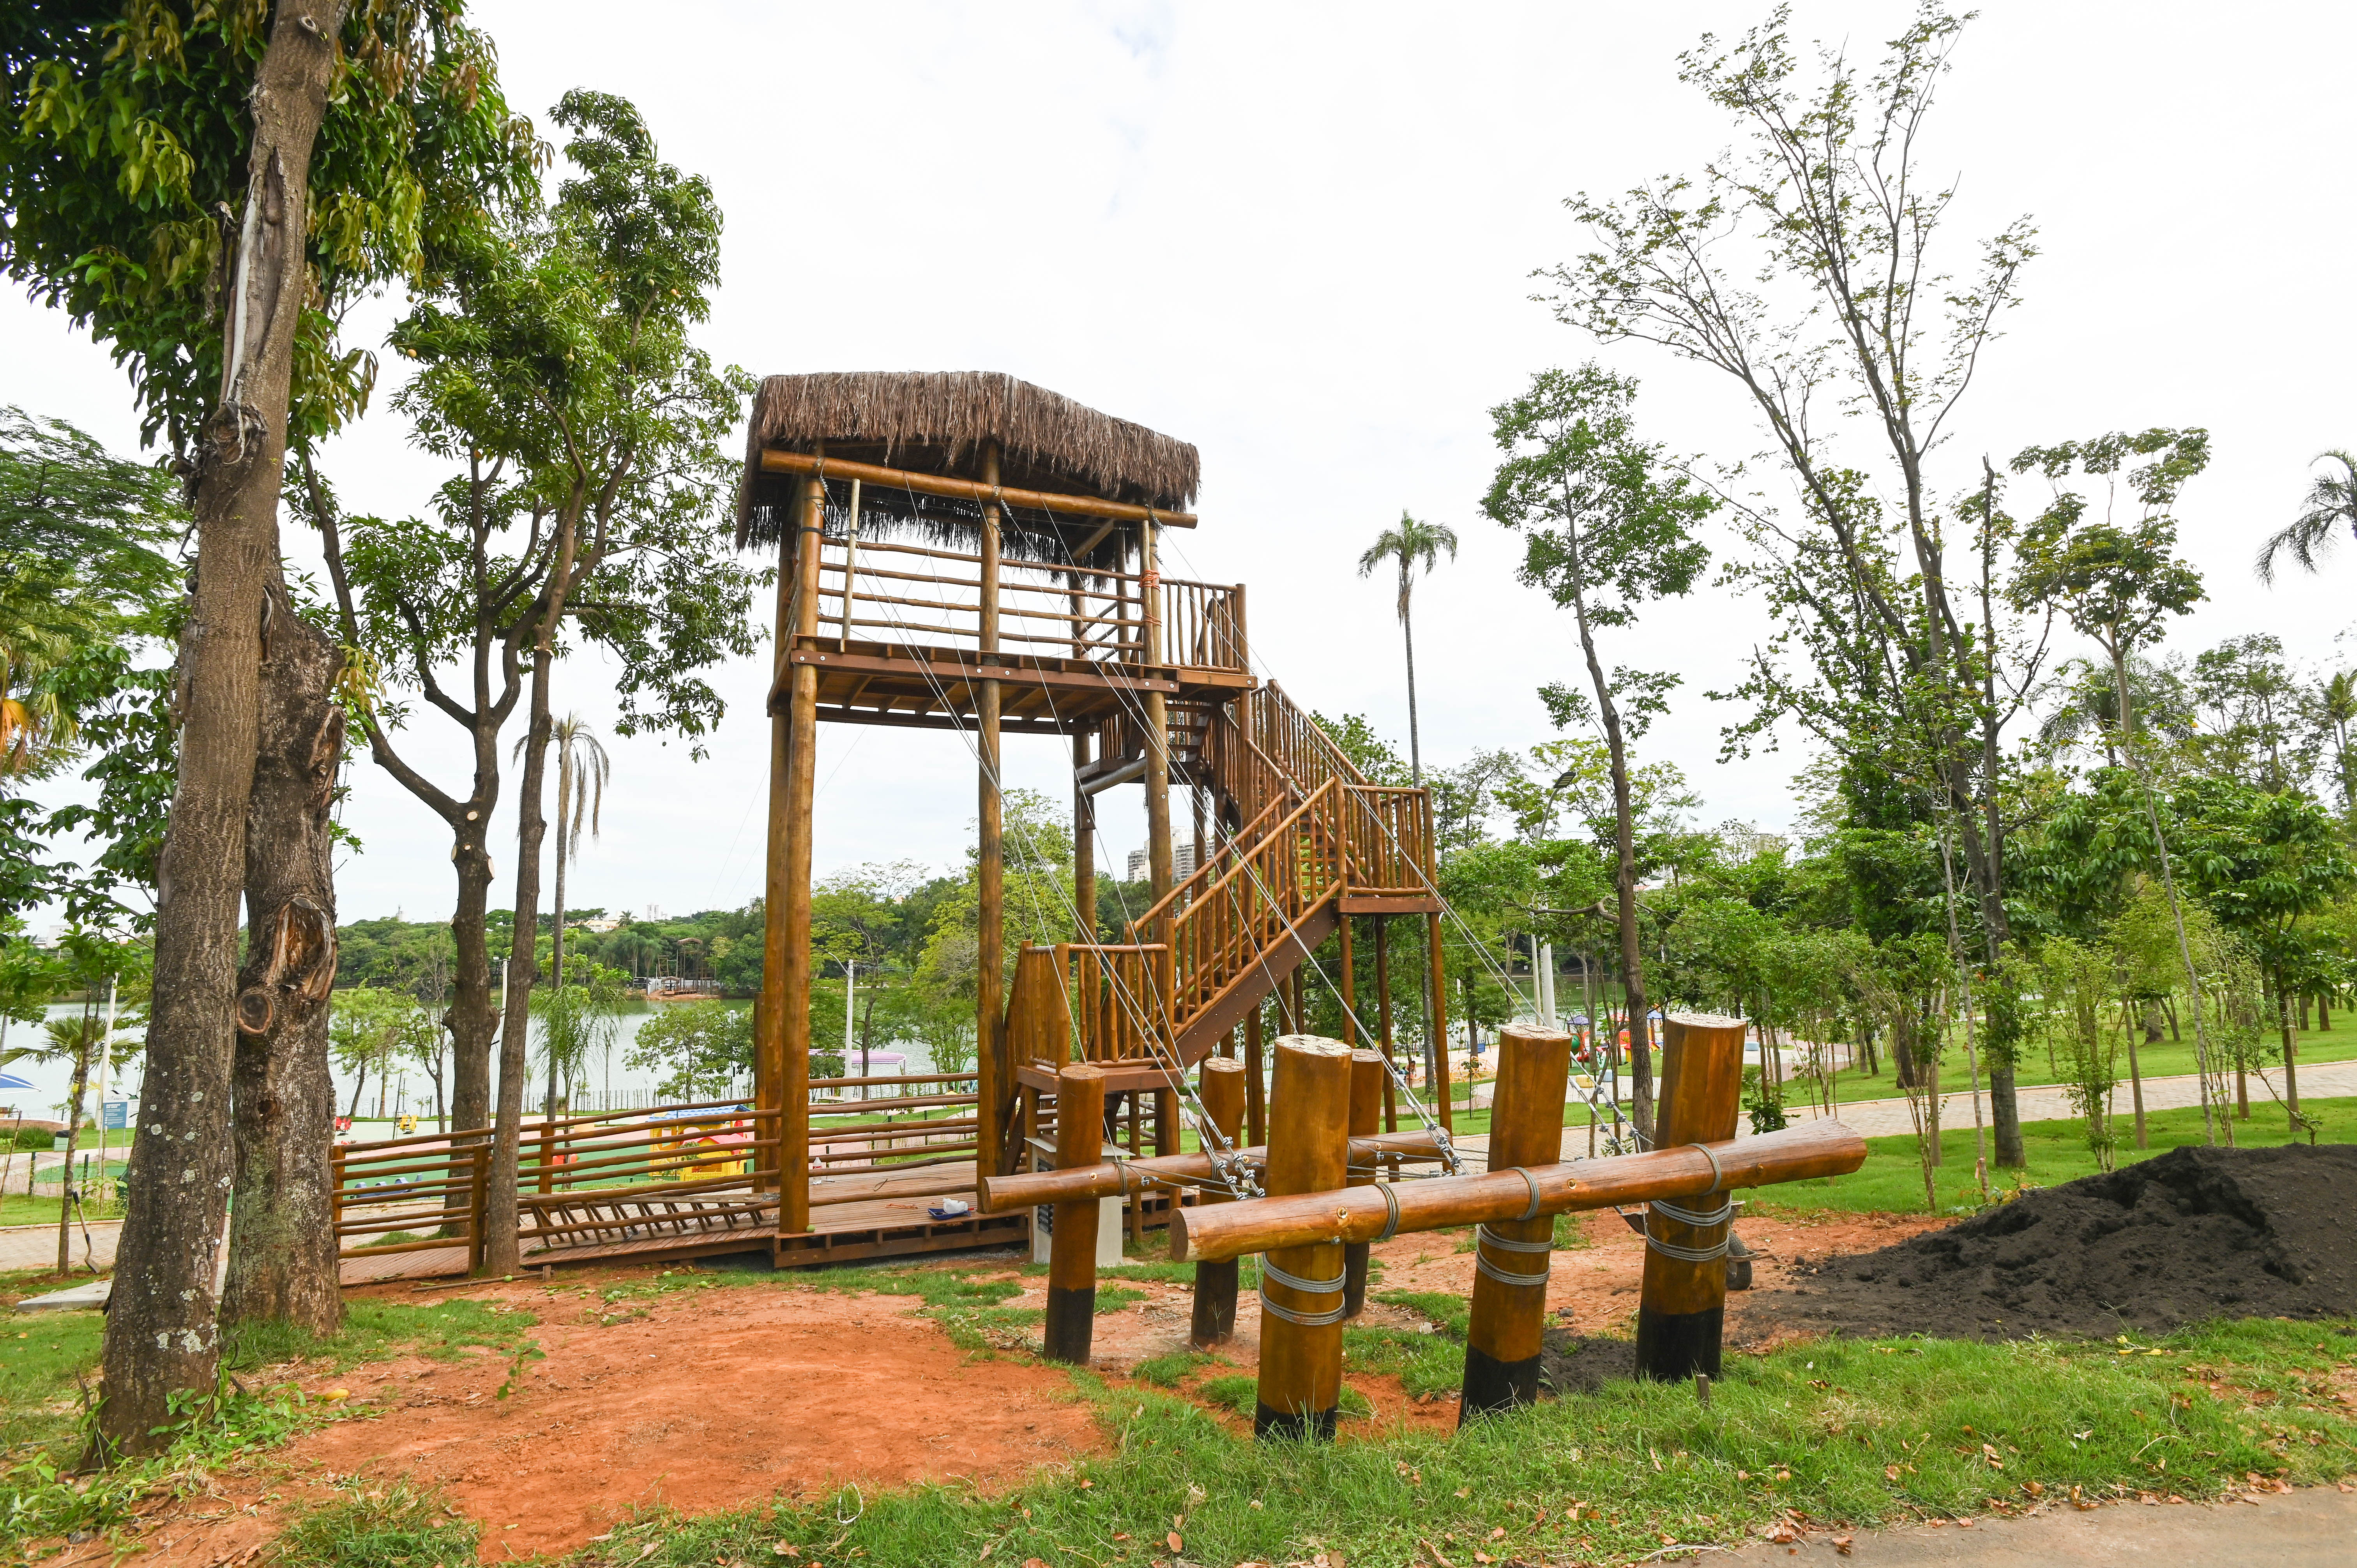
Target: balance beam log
1682 1306
1221 1087
1301 1282
1072 1247
1366 1121
1514 1257
1822 1148
1029 1189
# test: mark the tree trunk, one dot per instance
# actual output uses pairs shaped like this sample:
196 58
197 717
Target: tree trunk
2291 1054
74 1091
282 1242
557 930
1407 631
2151 1022
163 1336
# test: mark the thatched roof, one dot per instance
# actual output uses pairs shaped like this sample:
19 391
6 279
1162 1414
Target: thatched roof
936 423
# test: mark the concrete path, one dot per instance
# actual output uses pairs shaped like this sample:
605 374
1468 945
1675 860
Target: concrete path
36 1246
2312 1529
1884 1118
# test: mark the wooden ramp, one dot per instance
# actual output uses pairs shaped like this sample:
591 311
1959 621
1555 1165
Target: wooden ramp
853 1216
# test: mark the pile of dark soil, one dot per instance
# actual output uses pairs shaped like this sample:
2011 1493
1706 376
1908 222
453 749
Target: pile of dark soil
1573 1363
2193 1234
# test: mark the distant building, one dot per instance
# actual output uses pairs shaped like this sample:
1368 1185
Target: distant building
1742 840
600 925
1182 862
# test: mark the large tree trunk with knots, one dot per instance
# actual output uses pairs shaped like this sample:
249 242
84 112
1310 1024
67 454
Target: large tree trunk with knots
162 1335
282 1242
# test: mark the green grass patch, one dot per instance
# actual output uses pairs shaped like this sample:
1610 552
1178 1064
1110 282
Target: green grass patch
1113 1298
1425 1364
399 1527
1891 1180
1865 1432
1169 1371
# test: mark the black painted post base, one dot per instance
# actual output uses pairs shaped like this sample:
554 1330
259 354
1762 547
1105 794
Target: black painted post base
1215 1305
1672 1347
1317 1426
1354 1278
1072 1323
1491 1385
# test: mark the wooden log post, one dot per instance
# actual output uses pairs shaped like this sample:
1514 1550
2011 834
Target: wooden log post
992 1078
1222 1089
1682 1306
1072 1247
792 943
1512 1260
1301 1286
1255 1079
1160 872
1367 1078
1436 994
1349 985
1085 846
1384 1016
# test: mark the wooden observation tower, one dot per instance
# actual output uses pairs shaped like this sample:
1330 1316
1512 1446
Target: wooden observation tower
968 553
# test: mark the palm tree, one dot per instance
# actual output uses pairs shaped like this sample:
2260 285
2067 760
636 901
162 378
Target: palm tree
582 771
2336 708
2332 506
1411 544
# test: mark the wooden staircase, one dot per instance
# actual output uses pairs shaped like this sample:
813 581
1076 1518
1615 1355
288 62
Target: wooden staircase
1306 842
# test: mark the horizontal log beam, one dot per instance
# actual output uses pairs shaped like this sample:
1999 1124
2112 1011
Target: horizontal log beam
775 460
1219 1231
1025 1189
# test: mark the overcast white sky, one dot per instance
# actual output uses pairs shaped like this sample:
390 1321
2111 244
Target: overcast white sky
1300 237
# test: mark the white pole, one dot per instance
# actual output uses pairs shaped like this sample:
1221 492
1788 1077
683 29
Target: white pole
850 984
105 1049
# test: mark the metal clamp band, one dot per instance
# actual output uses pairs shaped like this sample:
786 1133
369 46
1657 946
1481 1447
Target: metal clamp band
1269 1270
1717 1176
1532 1183
1301 1319
1686 1255
1485 1266
1700 1221
1392 1218
1483 1233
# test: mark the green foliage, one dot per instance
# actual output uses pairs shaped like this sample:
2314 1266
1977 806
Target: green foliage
702 1048
124 146
398 1526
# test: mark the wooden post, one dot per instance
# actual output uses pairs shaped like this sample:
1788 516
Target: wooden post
1367 1079
1682 1306
479 1204
1084 846
795 969
1436 987
1157 829
1384 1016
1255 1080
1222 1087
1301 1330
1509 1312
1072 1248
990 922
548 1154
1296 1019
1349 987
770 1011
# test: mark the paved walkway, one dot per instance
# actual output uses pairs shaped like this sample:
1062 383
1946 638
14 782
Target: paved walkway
2315 1527
1883 1118
36 1246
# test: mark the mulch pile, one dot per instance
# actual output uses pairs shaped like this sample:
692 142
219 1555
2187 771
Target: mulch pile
2191 1235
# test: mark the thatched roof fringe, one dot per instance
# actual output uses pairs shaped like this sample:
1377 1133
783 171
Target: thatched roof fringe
936 421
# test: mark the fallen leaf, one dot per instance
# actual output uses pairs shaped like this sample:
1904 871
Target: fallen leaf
1890 1474
2034 1489
333 1394
1499 1533
1841 1544
648 1550
1172 1541
787 1549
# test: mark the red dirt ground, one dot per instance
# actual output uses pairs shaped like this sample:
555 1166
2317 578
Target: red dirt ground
725 1398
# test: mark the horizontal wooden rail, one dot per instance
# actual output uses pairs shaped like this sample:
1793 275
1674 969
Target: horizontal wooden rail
1218 1231
1027 1189
777 461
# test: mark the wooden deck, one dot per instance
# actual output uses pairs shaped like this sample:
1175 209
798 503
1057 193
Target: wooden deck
852 1217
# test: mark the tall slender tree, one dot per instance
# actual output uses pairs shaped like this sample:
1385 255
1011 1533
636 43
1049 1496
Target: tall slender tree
1605 527
1414 546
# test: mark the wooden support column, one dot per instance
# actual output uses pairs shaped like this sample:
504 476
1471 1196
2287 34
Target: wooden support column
1158 814
1296 1015
1223 1090
1255 1080
1383 1017
1436 990
795 967
990 921
1084 846
1072 1246
1301 1331
1682 1306
1512 1258
1367 1078
1348 988
770 1011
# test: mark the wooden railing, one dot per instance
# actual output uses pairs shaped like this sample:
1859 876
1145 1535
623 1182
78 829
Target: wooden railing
918 593
409 1195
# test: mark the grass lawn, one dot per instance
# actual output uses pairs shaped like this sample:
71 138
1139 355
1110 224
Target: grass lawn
1892 1181
1860 1432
